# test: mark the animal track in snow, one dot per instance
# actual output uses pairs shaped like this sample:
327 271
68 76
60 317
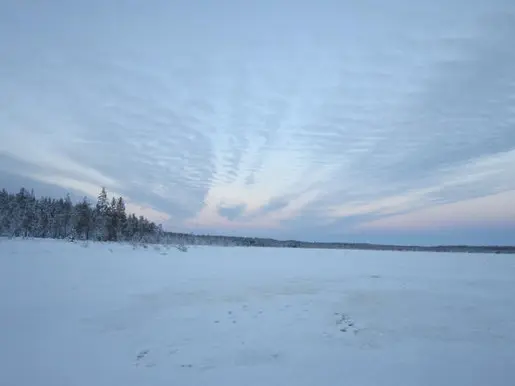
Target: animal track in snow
143 360
345 323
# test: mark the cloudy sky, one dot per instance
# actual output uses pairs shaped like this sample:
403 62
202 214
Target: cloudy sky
317 120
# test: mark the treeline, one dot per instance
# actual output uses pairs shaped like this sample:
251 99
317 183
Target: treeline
24 215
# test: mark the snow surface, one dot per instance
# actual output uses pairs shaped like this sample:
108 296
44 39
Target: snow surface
110 315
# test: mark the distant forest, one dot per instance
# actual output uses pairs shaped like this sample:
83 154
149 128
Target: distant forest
24 215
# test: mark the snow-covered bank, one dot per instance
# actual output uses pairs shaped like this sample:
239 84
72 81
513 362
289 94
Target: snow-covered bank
110 315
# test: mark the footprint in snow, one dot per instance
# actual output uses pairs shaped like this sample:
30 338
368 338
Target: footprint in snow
345 323
142 359
142 354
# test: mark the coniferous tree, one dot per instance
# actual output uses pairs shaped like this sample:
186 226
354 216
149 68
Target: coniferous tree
28 220
101 216
132 228
5 222
66 217
83 217
112 223
122 219
54 215
20 213
42 219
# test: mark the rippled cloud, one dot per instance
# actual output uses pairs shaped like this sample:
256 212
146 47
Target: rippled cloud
336 120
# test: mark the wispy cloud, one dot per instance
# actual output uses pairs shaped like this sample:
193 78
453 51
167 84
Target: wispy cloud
273 117
496 209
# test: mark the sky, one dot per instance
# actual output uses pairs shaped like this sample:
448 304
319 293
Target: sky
313 120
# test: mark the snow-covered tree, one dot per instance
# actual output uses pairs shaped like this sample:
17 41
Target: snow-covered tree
83 219
121 215
101 216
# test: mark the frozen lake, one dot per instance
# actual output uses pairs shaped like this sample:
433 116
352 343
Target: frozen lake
110 315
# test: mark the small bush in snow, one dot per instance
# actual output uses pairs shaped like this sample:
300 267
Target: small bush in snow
182 248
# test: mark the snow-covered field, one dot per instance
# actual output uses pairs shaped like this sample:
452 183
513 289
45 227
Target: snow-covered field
111 315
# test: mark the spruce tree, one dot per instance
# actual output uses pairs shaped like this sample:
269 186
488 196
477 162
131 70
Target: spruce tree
101 216
122 219
83 219
112 222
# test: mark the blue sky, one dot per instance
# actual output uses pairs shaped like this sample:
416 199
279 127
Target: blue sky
320 120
